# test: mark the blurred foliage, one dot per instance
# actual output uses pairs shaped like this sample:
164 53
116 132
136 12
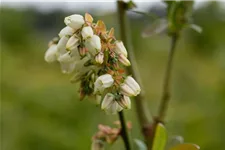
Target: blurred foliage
40 109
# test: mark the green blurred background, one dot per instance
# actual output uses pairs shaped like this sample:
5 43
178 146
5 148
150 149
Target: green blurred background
40 108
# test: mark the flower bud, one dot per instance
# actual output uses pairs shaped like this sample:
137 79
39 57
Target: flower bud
110 105
102 82
123 59
107 101
74 21
67 31
87 32
99 58
50 54
73 42
83 51
93 44
61 46
125 102
120 48
130 87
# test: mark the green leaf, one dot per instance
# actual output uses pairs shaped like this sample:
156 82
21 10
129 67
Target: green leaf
160 138
186 146
173 141
140 144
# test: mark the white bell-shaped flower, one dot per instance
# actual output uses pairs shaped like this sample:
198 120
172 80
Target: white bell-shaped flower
75 53
67 67
99 58
73 42
120 48
110 105
103 82
66 31
125 102
130 87
69 56
107 101
87 32
74 21
50 54
123 59
70 61
66 58
93 44
62 44
113 109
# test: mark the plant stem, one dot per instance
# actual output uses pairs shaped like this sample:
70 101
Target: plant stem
124 132
141 107
167 80
166 88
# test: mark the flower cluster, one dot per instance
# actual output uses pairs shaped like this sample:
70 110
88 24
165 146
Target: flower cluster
96 60
107 134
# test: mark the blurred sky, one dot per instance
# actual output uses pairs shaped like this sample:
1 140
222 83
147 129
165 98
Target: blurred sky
78 4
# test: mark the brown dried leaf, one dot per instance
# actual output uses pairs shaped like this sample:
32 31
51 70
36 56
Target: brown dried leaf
100 26
110 72
111 32
88 18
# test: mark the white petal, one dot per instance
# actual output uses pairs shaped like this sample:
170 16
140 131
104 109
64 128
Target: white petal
125 102
50 54
67 31
99 58
120 48
93 44
87 32
66 58
107 101
80 64
133 84
126 90
75 53
62 44
67 67
74 21
123 59
102 82
119 108
72 42
113 109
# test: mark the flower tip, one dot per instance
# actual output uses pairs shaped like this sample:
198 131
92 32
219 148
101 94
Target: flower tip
74 21
124 60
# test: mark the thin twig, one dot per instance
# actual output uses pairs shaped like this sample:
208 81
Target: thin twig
124 132
141 107
167 80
